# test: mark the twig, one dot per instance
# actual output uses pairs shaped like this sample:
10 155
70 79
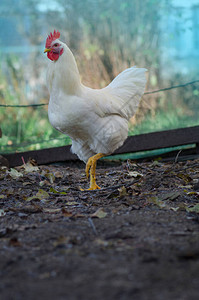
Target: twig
92 226
176 159
114 187
22 158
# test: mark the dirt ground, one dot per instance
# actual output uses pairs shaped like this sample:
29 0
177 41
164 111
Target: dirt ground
136 238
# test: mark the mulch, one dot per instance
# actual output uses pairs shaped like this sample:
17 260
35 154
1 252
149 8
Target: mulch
135 238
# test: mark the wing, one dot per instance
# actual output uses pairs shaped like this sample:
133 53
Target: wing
121 96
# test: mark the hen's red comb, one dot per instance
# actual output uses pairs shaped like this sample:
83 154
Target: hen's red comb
51 37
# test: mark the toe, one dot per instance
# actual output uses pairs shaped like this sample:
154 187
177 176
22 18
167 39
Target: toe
94 187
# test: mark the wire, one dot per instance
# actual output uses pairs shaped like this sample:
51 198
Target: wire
43 104
28 105
146 93
171 87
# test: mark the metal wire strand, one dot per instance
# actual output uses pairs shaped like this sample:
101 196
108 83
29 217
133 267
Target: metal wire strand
146 93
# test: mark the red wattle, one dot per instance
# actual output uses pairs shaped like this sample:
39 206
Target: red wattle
53 55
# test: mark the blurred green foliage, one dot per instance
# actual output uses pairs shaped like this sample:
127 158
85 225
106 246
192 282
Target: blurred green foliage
23 128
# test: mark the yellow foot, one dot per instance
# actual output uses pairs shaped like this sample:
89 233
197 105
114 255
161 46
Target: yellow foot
91 166
91 163
93 187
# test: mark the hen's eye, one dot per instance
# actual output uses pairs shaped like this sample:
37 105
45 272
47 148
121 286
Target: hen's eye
55 45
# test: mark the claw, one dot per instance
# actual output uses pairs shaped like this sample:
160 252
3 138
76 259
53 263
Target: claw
94 187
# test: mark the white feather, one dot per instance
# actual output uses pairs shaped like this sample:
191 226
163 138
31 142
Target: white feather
95 119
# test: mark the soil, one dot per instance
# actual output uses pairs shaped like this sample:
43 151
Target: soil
135 238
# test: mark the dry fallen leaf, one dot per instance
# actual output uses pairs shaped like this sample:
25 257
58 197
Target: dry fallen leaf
100 213
186 178
50 177
51 210
44 182
30 168
27 183
72 203
175 208
14 242
14 173
122 191
193 193
41 194
102 243
52 190
61 241
195 209
2 213
58 174
157 202
135 174
170 196
66 213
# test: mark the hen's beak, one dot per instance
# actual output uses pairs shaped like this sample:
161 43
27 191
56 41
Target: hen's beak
47 50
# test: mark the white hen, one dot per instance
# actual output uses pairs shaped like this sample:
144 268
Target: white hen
96 120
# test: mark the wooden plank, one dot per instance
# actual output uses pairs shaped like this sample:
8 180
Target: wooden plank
161 139
143 142
43 156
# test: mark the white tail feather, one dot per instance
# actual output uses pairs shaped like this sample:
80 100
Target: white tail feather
128 87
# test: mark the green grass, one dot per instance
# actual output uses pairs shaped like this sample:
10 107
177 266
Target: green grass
163 120
29 129
23 128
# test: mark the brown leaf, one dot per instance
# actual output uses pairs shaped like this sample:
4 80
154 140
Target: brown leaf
122 191
100 213
52 210
169 196
194 208
135 174
2 213
193 193
27 183
58 174
186 178
30 168
41 194
14 242
157 202
61 241
66 213
50 177
44 182
14 173
72 203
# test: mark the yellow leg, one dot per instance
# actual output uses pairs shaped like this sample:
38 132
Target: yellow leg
91 165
